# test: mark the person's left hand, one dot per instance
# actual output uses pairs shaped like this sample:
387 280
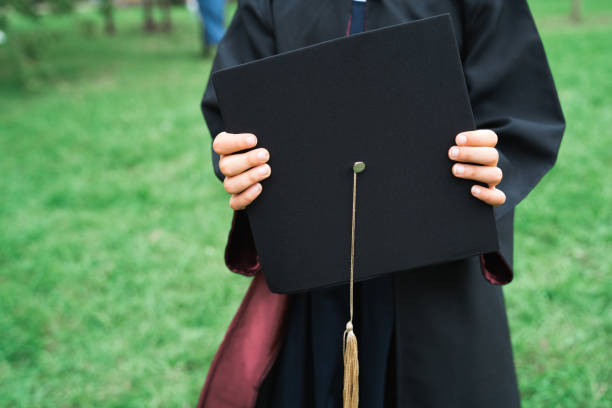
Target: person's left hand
477 156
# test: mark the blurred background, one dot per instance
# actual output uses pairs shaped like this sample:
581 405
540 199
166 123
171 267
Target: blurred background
113 291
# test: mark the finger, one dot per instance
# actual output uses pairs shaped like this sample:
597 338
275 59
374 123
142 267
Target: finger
479 155
235 164
228 143
481 137
490 196
241 182
485 174
241 200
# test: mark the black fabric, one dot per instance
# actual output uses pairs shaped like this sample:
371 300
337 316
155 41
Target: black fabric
308 371
456 351
512 92
509 81
394 98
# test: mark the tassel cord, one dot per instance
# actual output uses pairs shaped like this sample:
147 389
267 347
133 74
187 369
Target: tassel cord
350 394
352 277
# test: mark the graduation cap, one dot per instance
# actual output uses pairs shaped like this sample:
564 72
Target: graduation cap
358 130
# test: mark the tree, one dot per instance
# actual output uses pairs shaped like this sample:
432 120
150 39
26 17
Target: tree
576 13
107 10
26 8
166 20
149 23
31 8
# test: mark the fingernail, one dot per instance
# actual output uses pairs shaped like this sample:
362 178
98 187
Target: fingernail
264 170
262 155
459 169
257 188
454 152
461 139
251 140
476 190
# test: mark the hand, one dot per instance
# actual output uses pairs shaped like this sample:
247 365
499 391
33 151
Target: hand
242 171
478 149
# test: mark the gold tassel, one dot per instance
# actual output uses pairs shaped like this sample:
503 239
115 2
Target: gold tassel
350 392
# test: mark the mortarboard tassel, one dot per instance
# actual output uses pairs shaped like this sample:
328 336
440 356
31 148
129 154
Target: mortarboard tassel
351 368
350 393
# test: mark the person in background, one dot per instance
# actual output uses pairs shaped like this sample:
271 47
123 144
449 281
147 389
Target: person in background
212 14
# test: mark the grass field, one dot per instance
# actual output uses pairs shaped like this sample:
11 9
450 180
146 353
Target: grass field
113 292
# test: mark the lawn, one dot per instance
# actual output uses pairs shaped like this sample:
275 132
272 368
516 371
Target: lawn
113 291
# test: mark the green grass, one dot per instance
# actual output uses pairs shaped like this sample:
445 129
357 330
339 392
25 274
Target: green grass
113 291
559 306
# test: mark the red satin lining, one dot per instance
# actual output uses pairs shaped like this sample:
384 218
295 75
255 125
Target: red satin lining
240 252
495 269
348 27
248 351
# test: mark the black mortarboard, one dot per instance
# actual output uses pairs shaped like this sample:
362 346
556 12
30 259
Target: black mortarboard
393 98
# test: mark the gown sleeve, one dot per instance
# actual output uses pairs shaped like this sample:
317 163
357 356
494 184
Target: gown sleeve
512 92
250 36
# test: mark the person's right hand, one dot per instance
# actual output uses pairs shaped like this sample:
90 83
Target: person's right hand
242 171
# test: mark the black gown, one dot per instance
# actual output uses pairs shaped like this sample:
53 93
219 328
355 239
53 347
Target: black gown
309 371
435 336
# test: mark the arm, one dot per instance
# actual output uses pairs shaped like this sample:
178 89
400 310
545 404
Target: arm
250 36
512 93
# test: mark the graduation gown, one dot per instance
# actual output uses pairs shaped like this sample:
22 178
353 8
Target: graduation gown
449 342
